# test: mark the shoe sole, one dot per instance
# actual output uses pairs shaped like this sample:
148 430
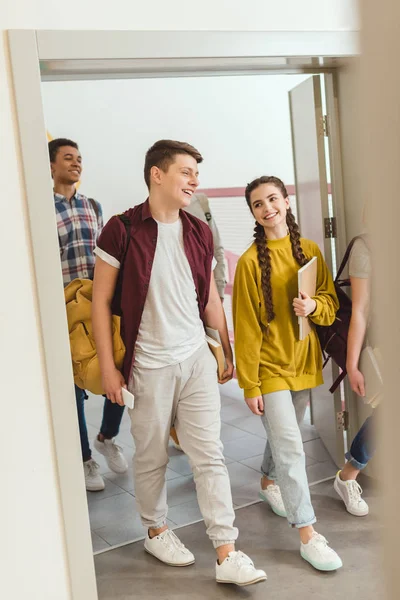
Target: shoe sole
97 489
337 490
276 511
258 580
319 567
168 563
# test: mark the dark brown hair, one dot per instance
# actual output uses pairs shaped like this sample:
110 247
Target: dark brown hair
162 155
263 252
55 145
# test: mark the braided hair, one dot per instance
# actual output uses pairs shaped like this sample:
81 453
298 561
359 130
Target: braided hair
263 252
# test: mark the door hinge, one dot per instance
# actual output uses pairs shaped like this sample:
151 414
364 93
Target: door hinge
330 227
325 125
342 420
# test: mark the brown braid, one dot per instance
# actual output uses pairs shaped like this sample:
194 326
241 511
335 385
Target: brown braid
264 260
263 252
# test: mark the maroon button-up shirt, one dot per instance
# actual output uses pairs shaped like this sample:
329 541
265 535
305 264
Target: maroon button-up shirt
198 246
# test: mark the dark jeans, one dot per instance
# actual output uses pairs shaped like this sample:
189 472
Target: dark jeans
112 416
363 446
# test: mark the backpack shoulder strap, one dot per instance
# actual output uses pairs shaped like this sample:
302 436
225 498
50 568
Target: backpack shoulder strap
127 224
202 198
347 255
94 206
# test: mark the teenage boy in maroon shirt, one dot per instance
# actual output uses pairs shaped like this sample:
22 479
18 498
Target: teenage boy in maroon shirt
168 294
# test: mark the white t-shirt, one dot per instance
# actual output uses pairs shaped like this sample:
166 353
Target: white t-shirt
171 329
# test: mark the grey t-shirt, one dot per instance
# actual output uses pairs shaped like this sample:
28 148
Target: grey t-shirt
360 260
360 266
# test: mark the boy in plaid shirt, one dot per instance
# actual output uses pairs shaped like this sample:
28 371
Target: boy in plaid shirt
79 222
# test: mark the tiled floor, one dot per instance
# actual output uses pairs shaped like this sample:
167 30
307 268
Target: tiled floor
113 515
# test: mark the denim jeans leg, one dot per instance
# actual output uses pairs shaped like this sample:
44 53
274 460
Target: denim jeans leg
268 465
112 417
300 402
284 436
80 407
362 449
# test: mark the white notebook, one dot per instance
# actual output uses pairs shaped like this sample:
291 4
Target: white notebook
307 283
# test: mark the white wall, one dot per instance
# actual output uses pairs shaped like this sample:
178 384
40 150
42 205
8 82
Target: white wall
241 125
34 560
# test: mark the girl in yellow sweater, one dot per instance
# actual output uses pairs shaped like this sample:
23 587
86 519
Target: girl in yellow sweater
274 368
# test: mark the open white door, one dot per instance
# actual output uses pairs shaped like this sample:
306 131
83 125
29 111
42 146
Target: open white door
315 209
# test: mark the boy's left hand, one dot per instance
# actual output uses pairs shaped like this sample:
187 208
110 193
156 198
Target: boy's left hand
304 305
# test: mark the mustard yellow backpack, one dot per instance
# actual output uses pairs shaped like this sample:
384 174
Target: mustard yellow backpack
78 300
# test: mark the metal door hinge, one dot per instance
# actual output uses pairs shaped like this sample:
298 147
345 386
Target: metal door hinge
342 420
325 125
330 227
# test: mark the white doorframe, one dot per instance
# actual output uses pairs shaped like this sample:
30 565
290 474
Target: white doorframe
31 49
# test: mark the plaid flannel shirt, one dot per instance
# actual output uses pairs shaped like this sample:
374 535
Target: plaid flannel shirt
78 229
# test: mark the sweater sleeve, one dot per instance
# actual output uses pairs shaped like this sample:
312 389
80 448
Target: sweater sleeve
326 299
248 333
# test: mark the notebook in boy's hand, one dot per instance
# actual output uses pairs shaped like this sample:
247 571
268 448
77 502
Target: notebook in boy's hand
214 343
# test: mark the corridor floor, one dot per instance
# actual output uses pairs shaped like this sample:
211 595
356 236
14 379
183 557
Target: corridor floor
113 515
128 572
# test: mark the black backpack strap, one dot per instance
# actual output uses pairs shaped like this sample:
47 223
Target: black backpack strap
347 255
127 224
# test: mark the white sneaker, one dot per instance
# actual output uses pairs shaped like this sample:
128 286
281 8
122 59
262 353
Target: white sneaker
93 480
319 555
272 495
239 569
350 492
168 548
113 453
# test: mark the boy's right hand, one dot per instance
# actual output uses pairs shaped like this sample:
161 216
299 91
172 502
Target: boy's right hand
256 405
113 381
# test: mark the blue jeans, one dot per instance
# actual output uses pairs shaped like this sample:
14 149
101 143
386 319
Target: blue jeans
112 416
362 449
284 458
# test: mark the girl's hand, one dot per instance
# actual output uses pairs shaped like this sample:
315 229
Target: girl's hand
304 306
357 382
256 405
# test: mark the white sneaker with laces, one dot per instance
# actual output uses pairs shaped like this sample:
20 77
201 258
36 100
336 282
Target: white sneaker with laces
319 555
350 492
272 495
239 569
93 480
113 454
168 548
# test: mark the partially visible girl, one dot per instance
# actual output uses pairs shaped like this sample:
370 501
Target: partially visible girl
362 448
274 368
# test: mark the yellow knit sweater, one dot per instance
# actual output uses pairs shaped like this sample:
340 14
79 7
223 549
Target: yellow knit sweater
273 359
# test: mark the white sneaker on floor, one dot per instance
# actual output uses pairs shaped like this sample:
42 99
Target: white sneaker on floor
239 569
272 495
350 492
168 548
114 455
319 555
93 480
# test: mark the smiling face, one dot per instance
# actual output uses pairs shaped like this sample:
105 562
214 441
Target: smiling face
67 166
179 182
269 208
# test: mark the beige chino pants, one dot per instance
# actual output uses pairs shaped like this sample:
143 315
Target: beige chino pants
187 395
